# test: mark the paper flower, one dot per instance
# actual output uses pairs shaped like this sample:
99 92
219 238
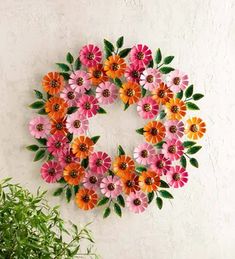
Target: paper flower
66 157
147 108
133 73
154 132
56 144
79 81
150 79
140 55
39 127
86 199
70 95
56 108
73 173
51 171
176 109
174 129
123 164
177 176
97 74
99 162
137 202
130 182
130 92
53 83
162 94
82 146
196 128
173 149
111 186
59 126
149 181
77 123
91 180
88 105
90 55
106 93
177 81
160 164
144 153
114 66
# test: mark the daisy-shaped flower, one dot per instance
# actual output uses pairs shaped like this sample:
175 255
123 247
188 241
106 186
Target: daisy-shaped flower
196 128
86 199
53 83
56 144
79 81
66 157
162 94
174 129
147 108
91 180
74 173
133 73
39 127
77 123
144 153
130 92
88 105
137 202
176 109
90 55
99 162
150 79
130 182
141 55
154 132
149 181
82 146
177 81
70 95
51 171
114 66
111 186
177 176
59 126
173 149
97 74
123 164
160 164
106 93
56 108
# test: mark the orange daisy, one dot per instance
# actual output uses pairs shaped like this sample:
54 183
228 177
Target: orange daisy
162 94
86 199
73 173
130 183
59 126
196 128
123 164
149 181
56 108
114 66
130 92
176 109
97 74
82 146
154 132
53 83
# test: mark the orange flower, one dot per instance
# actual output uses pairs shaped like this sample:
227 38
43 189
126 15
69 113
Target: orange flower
86 199
59 126
196 128
130 92
73 173
115 66
176 109
162 94
149 181
130 183
56 108
97 74
53 83
123 164
154 132
82 146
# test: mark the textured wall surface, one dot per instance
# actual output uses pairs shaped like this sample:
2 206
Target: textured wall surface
200 221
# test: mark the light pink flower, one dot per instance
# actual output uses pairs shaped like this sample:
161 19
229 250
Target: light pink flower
91 180
173 149
77 123
79 81
133 73
39 127
88 105
160 164
67 157
90 55
137 202
69 95
150 79
174 129
144 153
140 55
147 108
177 81
111 186
106 93
57 143
51 171
99 162
177 176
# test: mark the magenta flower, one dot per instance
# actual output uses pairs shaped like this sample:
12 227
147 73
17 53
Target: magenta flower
150 79
147 108
57 143
140 55
67 157
160 164
173 149
177 81
144 153
111 186
177 176
39 127
79 81
99 162
91 180
69 95
133 73
137 202
106 93
77 123
174 129
90 55
88 105
51 171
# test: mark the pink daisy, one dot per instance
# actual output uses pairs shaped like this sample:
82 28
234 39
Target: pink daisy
144 153
106 93
133 72
173 149
77 123
69 95
111 186
137 202
51 171
177 176
160 164
79 81
57 143
174 129
147 108
67 157
99 162
177 81
90 55
88 105
91 180
39 127
141 55
150 79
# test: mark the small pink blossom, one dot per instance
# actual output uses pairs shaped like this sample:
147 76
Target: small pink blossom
57 143
90 55
51 171
88 105
160 164
133 73
67 157
69 95
111 186
173 149
144 153
174 129
91 180
137 202
147 108
150 79
77 123
140 55
99 162
177 81
177 176
39 127
106 93
79 81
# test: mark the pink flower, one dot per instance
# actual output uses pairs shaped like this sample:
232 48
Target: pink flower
177 81
69 95
144 153
39 127
150 79
99 162
177 176
106 93
137 202
77 123
91 180
147 108
133 73
57 143
88 105
111 186
79 81
174 129
51 171
90 55
173 149
140 55
160 164
67 157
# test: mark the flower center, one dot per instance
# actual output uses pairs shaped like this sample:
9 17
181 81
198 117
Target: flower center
115 66
86 198
153 131
58 144
172 149
149 180
130 92
174 108
111 186
129 183
106 93
68 159
73 173
176 81
51 171
160 164
147 107
194 128
149 78
56 107
99 162
83 147
97 74
90 56
140 55
71 95
161 94
87 105
77 124
173 129
135 74
144 153
59 125
137 202
54 83
123 166
80 81
39 127
176 177
93 179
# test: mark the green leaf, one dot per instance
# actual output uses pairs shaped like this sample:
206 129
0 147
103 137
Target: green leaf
42 112
188 144
167 60
162 115
72 109
103 201
37 105
166 70
117 82
95 139
120 42
39 155
117 209
66 76
63 67
85 162
123 53
75 189
159 144
150 197
108 53
120 151
77 64
164 184
42 141
107 212
120 200
62 180
197 97
179 95
50 157
141 169
193 150
58 191
183 161
194 162
126 105
89 92
108 45
101 111
38 94
70 137
69 58
33 148
158 57
140 131
166 194
150 64
143 91
192 106
68 194
159 202
189 91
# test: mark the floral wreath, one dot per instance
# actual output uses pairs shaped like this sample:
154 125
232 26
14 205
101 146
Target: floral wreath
163 97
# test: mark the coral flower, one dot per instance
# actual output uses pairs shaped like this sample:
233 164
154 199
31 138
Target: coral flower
149 181
137 202
79 81
173 149
147 108
174 129
133 73
77 123
73 173
69 95
162 94
140 55
176 109
150 79
53 83
130 182
144 153
91 180
177 177
115 66
106 93
57 143
90 55
39 127
86 199
97 74
160 164
130 92
177 81
51 171
82 146
196 128
123 164
88 105
99 162
59 126
66 157
111 186
154 132
56 108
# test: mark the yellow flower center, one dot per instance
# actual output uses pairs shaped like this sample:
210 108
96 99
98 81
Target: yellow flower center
39 127
144 153
149 78
194 128
147 107
173 129
80 81
176 177
172 149
77 124
115 66
174 108
176 81
106 93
